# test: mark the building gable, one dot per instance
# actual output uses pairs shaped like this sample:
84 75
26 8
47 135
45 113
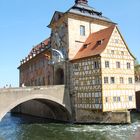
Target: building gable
57 15
117 45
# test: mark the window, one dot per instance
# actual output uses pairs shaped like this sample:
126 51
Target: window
43 80
118 65
106 99
121 80
112 51
112 80
130 98
122 52
105 80
116 99
96 65
97 80
82 30
76 66
130 80
96 100
128 66
116 40
106 64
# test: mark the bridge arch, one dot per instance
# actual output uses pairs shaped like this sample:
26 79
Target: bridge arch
56 104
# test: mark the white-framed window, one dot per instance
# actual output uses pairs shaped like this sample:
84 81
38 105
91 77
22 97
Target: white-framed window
82 30
128 65
130 98
122 52
106 99
130 80
118 65
116 99
106 80
112 51
112 80
106 64
121 80
116 41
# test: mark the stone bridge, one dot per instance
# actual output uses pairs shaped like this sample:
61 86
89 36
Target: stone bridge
45 101
55 101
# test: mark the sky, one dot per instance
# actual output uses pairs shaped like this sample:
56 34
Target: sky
23 25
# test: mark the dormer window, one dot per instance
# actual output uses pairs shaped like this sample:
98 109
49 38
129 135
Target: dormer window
85 46
82 30
100 42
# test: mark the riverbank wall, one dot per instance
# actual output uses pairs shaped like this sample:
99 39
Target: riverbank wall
88 116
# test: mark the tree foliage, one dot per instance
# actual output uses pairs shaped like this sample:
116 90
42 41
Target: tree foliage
137 71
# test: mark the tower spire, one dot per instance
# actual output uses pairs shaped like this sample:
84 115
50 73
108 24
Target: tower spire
81 1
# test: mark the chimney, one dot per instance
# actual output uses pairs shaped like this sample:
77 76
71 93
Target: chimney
81 2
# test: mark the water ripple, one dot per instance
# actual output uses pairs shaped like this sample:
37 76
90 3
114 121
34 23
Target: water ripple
12 128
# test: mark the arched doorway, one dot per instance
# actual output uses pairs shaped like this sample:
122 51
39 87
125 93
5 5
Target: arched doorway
59 77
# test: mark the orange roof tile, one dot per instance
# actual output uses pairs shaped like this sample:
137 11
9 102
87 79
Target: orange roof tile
41 45
95 43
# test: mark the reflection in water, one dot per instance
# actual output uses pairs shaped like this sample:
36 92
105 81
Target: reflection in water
23 128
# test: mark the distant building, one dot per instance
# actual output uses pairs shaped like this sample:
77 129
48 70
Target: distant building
97 65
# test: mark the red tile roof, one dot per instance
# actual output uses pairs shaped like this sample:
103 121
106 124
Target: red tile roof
95 43
41 45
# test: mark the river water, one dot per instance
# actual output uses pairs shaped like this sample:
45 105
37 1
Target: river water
27 128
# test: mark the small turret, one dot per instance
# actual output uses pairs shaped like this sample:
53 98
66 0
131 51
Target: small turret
81 2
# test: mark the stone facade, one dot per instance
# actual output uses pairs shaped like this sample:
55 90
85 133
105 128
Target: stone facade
36 71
